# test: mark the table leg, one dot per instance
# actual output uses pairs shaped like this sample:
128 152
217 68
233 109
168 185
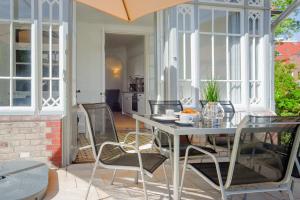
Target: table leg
137 143
176 168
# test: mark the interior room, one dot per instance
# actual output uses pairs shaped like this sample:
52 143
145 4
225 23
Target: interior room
124 73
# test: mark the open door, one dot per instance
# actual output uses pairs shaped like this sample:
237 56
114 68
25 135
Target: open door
90 64
90 84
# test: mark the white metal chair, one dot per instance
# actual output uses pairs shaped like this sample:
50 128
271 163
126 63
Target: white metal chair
110 153
254 162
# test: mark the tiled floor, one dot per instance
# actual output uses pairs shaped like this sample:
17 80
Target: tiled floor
73 181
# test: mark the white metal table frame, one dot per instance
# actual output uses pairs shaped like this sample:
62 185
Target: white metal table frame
177 132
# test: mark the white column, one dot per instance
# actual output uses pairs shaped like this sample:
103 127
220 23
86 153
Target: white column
195 68
173 65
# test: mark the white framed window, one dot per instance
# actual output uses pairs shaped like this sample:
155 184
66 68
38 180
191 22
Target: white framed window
16 52
255 2
51 81
232 2
185 27
255 51
220 50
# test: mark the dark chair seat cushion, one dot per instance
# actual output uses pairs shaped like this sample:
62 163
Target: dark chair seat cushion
295 172
151 161
246 175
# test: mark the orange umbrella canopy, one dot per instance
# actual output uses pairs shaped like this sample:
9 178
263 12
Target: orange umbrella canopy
130 10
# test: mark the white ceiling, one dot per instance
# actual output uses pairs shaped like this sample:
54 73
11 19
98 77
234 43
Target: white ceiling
91 15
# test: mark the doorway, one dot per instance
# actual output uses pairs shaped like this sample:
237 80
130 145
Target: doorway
124 77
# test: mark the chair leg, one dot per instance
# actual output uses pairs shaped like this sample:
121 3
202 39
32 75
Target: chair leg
167 180
113 177
91 179
144 185
214 142
228 145
182 176
291 196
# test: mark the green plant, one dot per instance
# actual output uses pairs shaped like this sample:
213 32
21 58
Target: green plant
287 91
211 92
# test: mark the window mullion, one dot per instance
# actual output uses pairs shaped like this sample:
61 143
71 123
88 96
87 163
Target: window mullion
50 60
213 45
227 59
11 63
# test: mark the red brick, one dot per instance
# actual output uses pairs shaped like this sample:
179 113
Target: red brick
56 141
56 130
53 124
53 148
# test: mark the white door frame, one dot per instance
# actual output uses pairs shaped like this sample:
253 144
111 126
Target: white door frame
134 30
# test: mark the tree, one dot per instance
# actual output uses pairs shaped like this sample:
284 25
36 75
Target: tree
287 91
288 27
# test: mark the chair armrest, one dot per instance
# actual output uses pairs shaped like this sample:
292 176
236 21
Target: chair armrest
214 158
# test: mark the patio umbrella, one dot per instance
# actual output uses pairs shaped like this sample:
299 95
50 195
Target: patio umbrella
130 10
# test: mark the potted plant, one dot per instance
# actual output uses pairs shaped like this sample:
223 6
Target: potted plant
212 111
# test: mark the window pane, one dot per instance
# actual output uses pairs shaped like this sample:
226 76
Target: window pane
22 9
22 93
180 22
234 22
23 56
188 21
23 35
257 50
55 11
4 92
235 92
46 11
205 57
220 21
181 56
55 89
188 55
250 26
257 29
223 90
46 87
205 20
22 70
4 9
45 63
220 57
4 49
235 58
251 57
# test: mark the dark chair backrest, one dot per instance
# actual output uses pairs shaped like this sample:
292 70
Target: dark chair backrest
271 161
159 108
101 128
227 105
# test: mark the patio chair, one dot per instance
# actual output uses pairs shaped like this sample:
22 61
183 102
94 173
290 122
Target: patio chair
160 107
222 140
254 162
109 153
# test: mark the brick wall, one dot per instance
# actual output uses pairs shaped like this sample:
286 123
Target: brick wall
36 138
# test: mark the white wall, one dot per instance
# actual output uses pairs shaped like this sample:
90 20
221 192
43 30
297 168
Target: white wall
136 59
116 57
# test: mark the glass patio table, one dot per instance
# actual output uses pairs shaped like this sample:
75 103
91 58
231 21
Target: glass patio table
227 126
